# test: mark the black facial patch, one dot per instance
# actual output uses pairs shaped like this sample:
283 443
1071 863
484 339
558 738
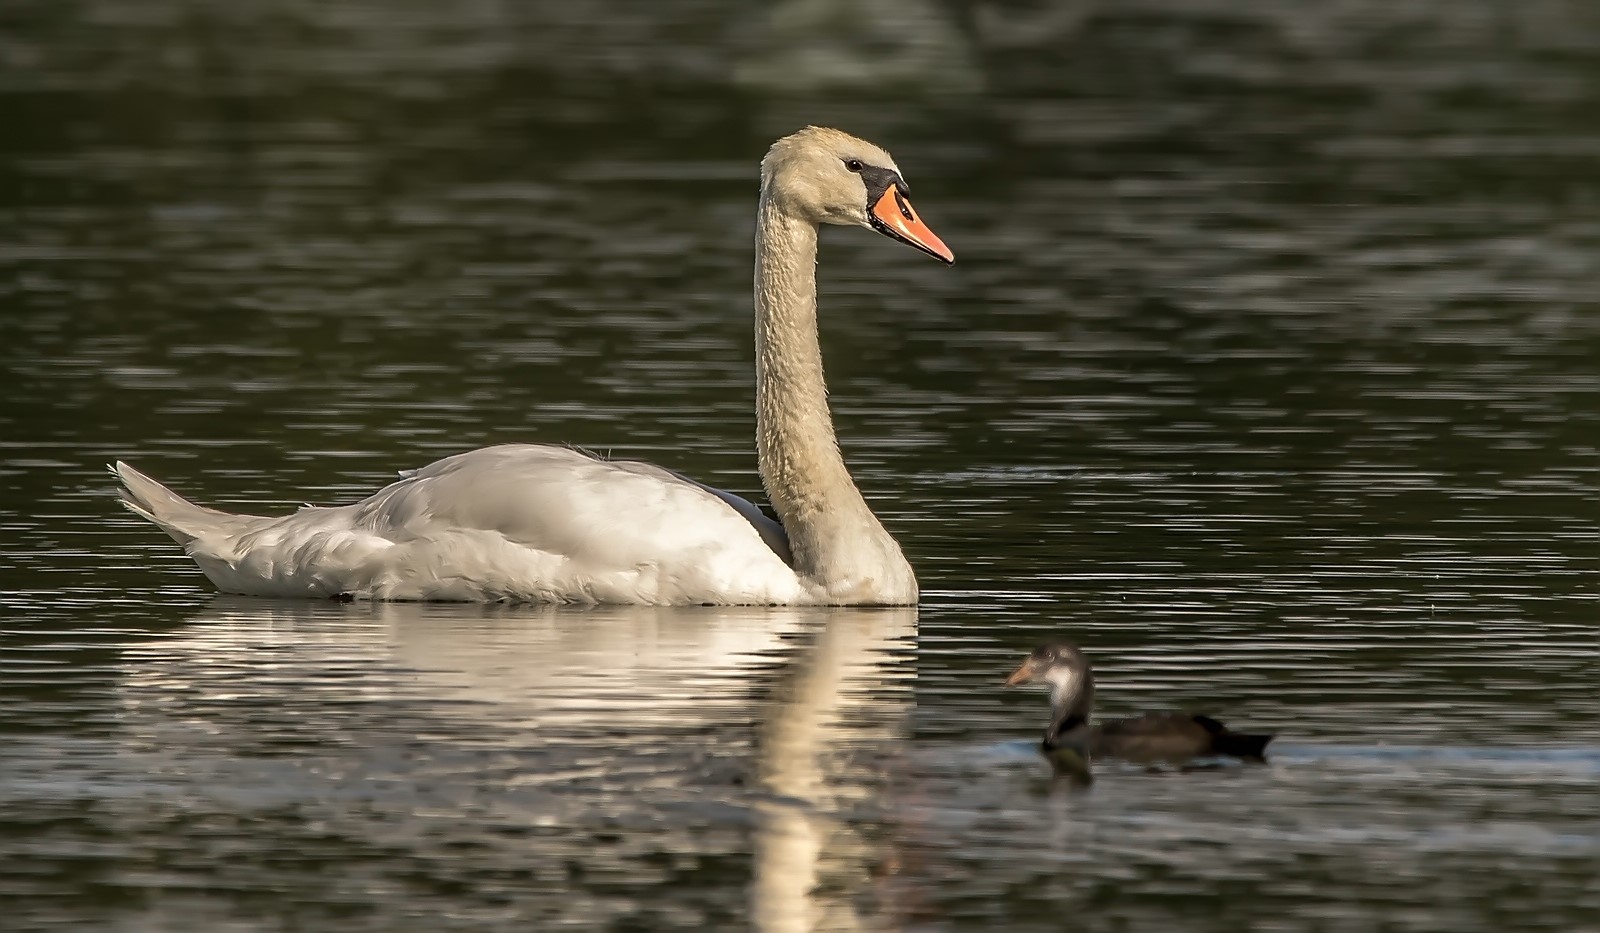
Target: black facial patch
880 180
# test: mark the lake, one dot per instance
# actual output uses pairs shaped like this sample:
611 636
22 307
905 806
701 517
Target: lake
1268 371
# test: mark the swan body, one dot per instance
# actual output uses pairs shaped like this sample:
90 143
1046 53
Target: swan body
520 522
543 523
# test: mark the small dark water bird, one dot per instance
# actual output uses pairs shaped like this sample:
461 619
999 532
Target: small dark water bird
1071 741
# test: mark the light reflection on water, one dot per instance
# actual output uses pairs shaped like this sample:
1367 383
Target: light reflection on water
411 749
1270 372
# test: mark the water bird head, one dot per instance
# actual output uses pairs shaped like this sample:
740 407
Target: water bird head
1066 669
830 177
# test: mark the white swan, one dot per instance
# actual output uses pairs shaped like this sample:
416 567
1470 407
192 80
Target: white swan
551 524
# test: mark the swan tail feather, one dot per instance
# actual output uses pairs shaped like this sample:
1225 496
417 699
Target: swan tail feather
167 510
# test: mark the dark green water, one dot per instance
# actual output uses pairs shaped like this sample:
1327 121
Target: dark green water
1269 371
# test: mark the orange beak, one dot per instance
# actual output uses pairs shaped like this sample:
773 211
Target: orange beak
894 216
1021 675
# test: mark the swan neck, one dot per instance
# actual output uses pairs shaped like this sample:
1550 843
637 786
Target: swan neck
804 474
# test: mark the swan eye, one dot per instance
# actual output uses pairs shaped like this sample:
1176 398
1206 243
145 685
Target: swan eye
853 165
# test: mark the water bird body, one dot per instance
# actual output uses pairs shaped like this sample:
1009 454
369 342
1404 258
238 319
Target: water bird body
1072 739
542 523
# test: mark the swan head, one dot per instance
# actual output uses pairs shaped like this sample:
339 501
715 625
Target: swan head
829 177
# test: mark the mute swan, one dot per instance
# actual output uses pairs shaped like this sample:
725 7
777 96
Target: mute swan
1071 741
545 523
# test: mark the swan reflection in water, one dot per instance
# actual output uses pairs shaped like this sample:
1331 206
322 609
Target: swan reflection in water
617 737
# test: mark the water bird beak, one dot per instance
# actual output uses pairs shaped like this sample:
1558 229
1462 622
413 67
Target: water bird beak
1021 675
893 216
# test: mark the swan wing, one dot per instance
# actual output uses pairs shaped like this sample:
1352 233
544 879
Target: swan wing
521 521
566 500
770 530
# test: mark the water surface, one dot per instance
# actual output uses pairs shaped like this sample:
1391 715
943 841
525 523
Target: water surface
1269 371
